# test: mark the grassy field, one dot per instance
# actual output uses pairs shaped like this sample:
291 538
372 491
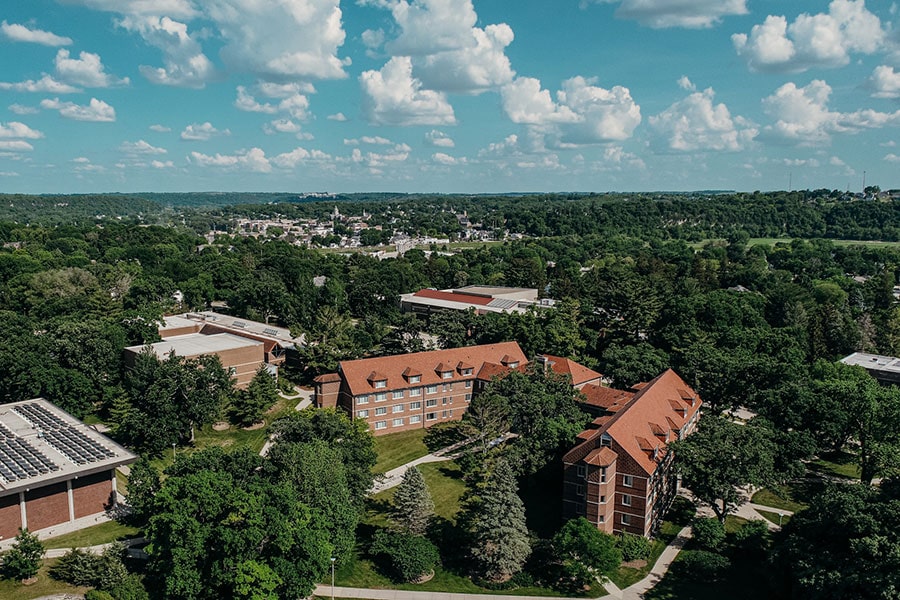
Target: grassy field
398 449
837 464
775 517
786 497
103 533
44 586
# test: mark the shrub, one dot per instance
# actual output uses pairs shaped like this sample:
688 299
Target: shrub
77 567
709 533
700 565
129 588
408 557
98 595
752 538
23 560
634 547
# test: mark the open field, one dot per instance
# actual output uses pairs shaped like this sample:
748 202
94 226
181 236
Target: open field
398 449
103 533
44 586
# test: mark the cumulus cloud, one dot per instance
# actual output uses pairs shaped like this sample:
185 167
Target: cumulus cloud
823 40
884 82
45 84
160 128
15 146
15 129
246 102
802 116
429 26
472 69
686 84
697 124
160 164
200 132
892 158
176 8
439 139
292 101
140 147
87 70
392 96
21 33
582 113
339 117
185 64
443 158
246 160
20 109
96 111
659 14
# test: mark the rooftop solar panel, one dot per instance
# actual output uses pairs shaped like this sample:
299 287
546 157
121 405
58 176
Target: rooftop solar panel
239 324
77 447
270 332
39 416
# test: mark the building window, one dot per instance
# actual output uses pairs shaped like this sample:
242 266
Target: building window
381 383
415 419
579 490
431 416
601 518
626 519
468 383
602 499
398 408
232 370
468 397
628 480
415 378
381 425
603 475
364 399
398 422
443 414
362 414
513 364
443 400
415 405
397 395
447 375
626 500
380 396
447 387
381 410
581 471
605 440
431 402
415 392
466 372
431 389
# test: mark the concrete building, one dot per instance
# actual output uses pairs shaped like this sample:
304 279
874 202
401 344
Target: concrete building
481 298
54 470
619 474
885 369
414 391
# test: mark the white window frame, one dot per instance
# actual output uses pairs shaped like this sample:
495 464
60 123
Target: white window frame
415 405
380 384
397 395
398 408
380 396
397 423
626 519
446 374
468 383
628 480
381 410
415 419
363 399
362 414
415 378
626 500
380 424
581 471
431 402
432 416
431 389
413 392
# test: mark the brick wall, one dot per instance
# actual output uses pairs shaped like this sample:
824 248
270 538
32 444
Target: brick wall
449 401
10 516
47 506
91 493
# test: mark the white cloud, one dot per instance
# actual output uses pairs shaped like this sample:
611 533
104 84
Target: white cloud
140 147
293 103
376 140
892 158
581 114
884 82
20 109
289 160
284 90
15 146
200 132
615 158
472 69
439 139
692 14
339 117
372 39
15 129
176 8
823 40
379 159
185 63
247 160
160 164
686 84
96 111
696 124
21 33
392 96
160 128
248 103
281 126
87 70
802 116
445 159
45 84
429 26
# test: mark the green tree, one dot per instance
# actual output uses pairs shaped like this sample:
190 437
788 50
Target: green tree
708 532
248 406
143 485
409 556
413 507
586 552
496 521
23 560
722 456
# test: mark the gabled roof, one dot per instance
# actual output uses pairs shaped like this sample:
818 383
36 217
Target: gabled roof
391 368
608 399
635 427
577 372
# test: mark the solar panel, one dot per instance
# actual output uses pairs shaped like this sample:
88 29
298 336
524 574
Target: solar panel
5 433
239 324
76 446
270 332
39 416
20 460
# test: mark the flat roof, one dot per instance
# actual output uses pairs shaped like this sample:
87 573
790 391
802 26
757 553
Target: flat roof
197 344
873 362
177 322
494 290
41 444
280 334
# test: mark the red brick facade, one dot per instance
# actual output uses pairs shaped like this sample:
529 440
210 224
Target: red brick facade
10 516
91 494
47 506
619 475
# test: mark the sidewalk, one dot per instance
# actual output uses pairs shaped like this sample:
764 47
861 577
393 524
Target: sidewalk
324 591
637 590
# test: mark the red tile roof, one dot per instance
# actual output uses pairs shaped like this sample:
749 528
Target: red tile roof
454 297
577 372
601 457
328 378
356 372
605 398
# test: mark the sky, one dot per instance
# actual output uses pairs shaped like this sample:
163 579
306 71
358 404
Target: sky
448 96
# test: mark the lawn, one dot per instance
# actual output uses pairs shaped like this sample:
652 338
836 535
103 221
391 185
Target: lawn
103 533
398 449
774 517
837 464
44 586
444 481
782 497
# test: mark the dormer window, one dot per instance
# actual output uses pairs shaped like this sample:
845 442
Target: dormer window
605 440
447 374
509 361
381 383
412 375
415 378
377 380
444 371
465 369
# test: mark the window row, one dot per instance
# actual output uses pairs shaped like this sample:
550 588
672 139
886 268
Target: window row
413 392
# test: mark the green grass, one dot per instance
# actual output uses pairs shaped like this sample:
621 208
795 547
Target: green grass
775 517
626 576
734 523
103 533
44 586
398 449
781 497
837 464
444 481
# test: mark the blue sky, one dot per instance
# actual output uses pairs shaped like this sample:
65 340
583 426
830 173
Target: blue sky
448 95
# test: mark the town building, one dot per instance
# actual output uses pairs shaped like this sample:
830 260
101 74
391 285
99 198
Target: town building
54 470
480 298
886 369
417 390
619 475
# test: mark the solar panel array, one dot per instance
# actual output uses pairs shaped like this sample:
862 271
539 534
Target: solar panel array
20 460
39 416
270 331
62 437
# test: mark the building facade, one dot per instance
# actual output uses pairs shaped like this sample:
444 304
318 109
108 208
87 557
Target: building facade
480 298
619 474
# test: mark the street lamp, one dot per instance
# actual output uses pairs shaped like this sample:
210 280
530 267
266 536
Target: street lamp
173 451
332 577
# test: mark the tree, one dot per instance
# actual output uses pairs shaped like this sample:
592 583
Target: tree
708 532
143 485
496 519
409 556
413 507
585 550
23 560
249 405
723 456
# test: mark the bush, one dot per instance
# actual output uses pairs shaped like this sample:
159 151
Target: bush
701 565
77 567
752 538
709 533
98 595
408 557
23 560
634 547
129 588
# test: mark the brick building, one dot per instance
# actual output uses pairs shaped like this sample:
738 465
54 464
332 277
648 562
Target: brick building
619 474
480 298
54 470
413 391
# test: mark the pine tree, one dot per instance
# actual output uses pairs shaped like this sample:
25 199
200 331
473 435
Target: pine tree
413 506
497 526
